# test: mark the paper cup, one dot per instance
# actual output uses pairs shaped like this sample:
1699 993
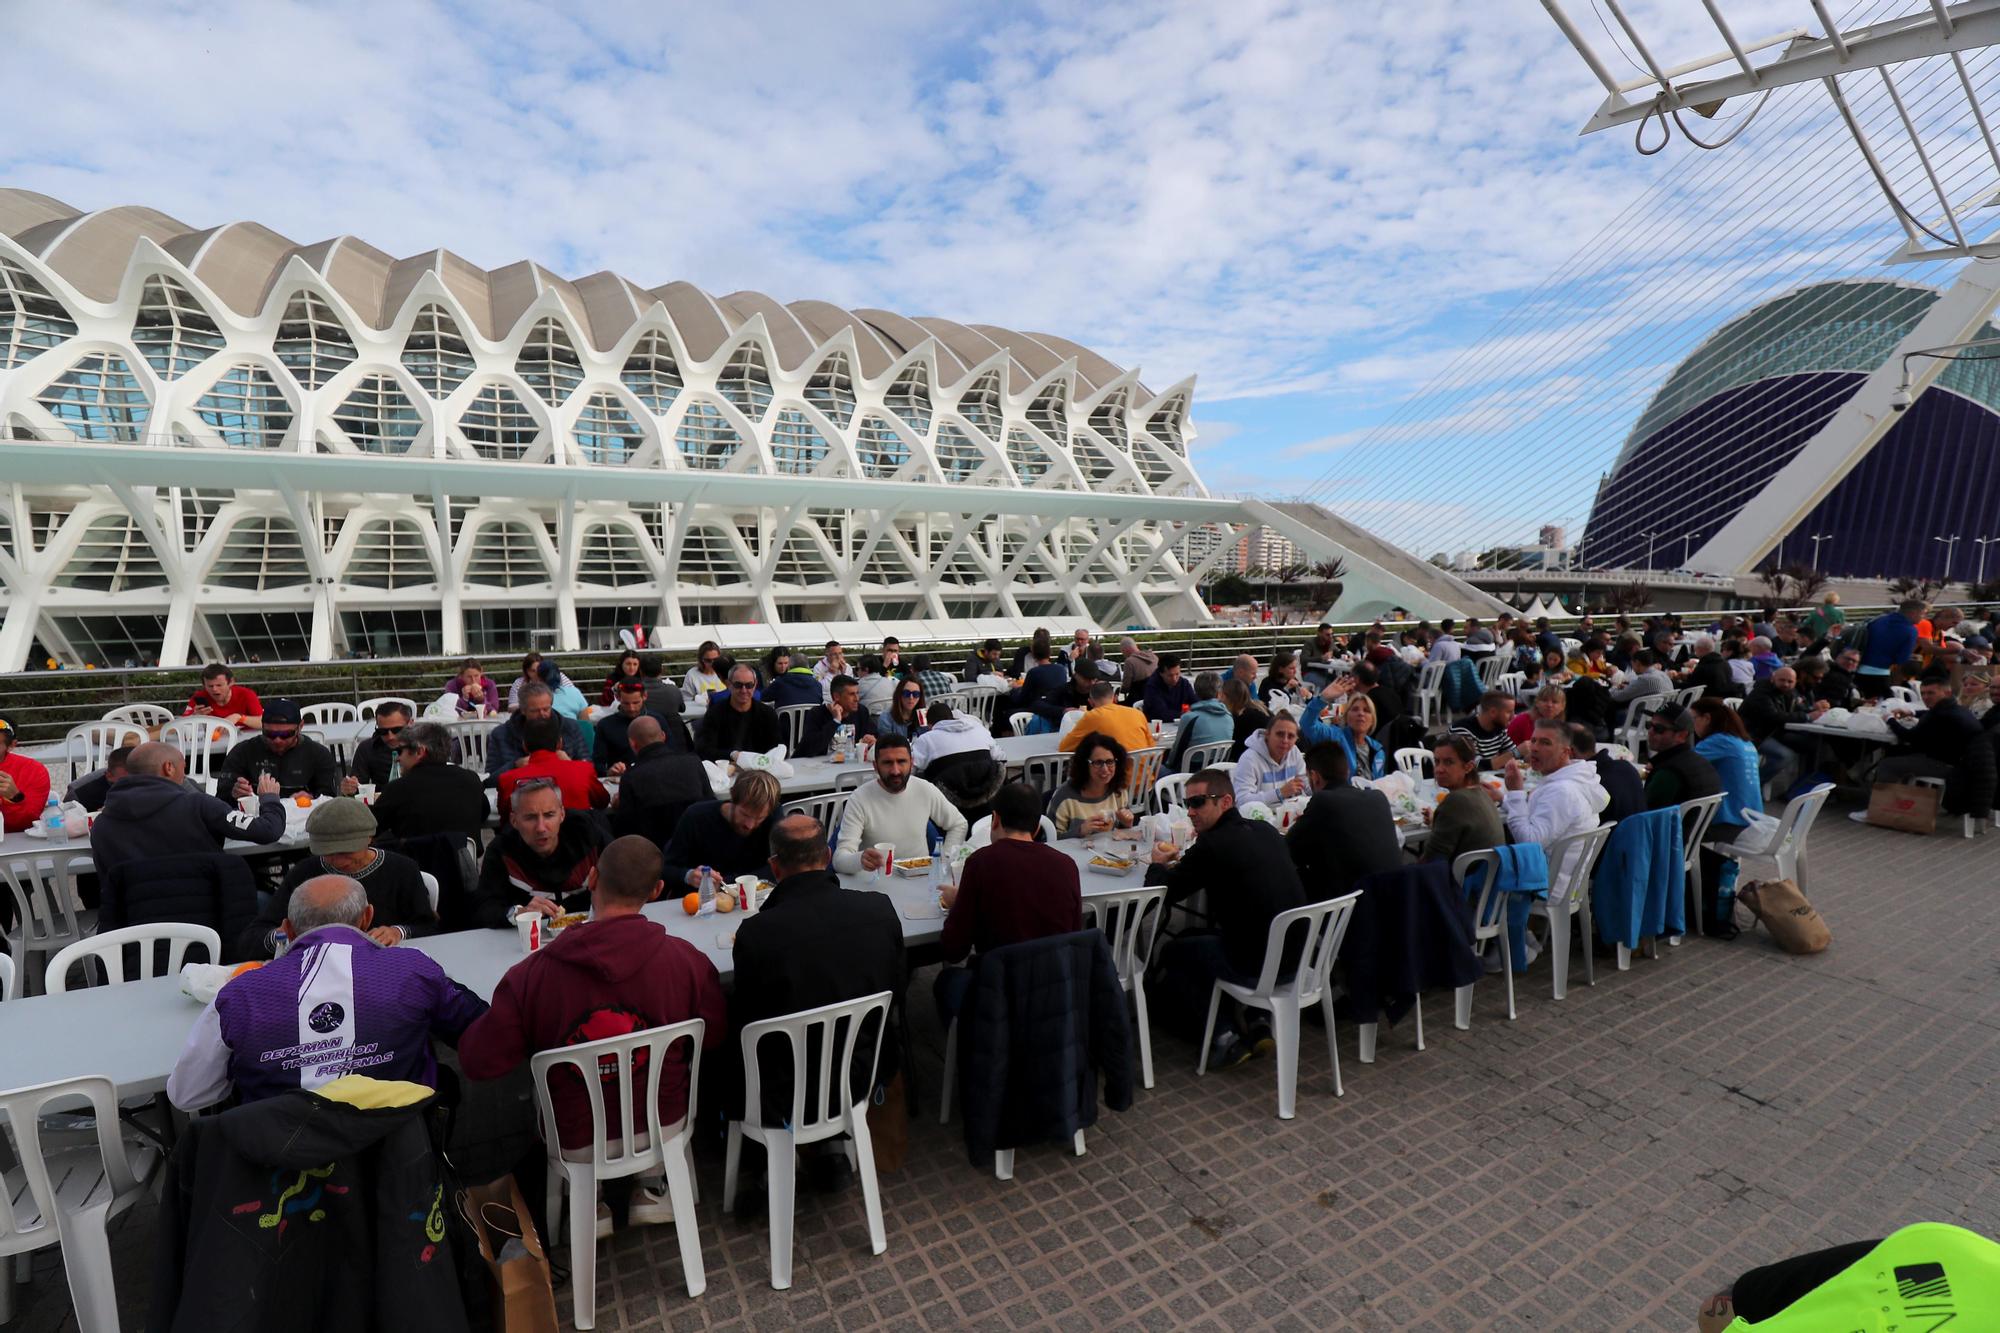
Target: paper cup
247 804
528 925
366 791
888 852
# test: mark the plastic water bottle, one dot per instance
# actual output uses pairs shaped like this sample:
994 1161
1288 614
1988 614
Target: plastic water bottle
52 820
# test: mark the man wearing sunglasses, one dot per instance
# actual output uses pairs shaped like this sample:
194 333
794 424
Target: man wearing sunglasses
282 751
1679 774
378 759
740 723
1246 870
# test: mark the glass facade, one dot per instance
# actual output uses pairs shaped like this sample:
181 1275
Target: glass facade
98 400
246 409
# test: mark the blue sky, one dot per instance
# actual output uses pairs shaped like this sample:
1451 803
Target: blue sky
1313 207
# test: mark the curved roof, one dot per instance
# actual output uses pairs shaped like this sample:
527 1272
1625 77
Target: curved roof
242 264
1851 324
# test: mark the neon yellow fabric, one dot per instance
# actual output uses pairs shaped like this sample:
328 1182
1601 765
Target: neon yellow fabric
1924 1277
373 1094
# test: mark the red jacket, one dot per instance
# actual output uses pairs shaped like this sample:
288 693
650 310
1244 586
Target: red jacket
33 780
599 979
242 699
578 779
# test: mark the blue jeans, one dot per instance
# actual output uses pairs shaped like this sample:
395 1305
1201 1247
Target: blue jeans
1779 763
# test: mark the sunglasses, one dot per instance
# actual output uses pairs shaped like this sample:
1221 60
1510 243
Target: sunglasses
913 694
745 685
1661 726
388 731
280 735
409 749
1197 802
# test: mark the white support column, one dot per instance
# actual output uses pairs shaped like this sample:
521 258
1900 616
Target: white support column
451 618
17 628
1783 502
568 537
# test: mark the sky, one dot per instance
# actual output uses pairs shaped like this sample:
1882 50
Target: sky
1314 208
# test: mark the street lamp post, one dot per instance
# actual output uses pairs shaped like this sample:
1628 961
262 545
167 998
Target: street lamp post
1649 536
1687 548
1982 543
1816 538
1949 543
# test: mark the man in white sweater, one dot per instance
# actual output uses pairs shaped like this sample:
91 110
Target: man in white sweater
897 808
1569 797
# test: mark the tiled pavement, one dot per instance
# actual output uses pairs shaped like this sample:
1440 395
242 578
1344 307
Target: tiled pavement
1600 1164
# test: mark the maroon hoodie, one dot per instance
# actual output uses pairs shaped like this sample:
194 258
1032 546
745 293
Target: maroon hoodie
600 979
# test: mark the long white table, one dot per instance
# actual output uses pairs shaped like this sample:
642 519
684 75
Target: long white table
133 1033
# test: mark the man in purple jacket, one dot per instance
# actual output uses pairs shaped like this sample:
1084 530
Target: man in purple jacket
337 1003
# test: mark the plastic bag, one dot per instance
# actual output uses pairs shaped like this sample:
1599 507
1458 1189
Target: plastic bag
1760 831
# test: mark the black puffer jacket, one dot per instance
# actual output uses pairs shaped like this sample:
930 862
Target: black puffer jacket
1044 1019
1971 787
304 1212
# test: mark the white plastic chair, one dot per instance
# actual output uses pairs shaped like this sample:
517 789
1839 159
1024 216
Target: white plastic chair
431 887
1697 813
1788 847
1572 861
981 832
1169 791
89 747
322 715
978 700
826 807
1130 920
69 1197
108 951
366 708
1510 683
150 716
1197 757
1417 763
1020 722
1325 924
472 735
623 1062
6 978
793 717
1430 692
1489 923
1146 766
203 741
835 1112
1492 667
1046 772
49 916
1632 731
1682 698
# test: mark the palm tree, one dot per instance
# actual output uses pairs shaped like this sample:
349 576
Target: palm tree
1330 574
1806 581
1908 588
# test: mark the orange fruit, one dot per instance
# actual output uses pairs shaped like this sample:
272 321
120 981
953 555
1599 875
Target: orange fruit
691 904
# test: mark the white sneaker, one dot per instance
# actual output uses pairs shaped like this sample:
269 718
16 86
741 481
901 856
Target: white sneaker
1858 816
651 1206
1533 949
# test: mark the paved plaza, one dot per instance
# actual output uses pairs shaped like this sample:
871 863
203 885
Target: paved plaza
1600 1164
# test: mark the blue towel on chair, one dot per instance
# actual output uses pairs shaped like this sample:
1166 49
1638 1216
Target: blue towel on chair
1639 888
1523 877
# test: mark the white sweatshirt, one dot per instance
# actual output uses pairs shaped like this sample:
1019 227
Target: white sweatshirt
903 820
1258 776
1567 801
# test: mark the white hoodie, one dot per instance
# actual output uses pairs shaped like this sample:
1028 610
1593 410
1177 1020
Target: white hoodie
1258 776
957 734
1566 801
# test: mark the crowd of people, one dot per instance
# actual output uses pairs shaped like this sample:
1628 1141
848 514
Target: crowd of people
604 814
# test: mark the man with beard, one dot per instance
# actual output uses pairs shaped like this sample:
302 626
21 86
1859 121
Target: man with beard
898 809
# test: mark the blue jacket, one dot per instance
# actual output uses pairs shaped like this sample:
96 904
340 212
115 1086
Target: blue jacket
797 686
1461 688
1314 728
1204 724
1891 641
1522 878
1639 889
1736 763
1163 702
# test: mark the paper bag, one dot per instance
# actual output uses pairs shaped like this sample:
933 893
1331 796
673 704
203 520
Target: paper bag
1905 806
523 1296
889 1126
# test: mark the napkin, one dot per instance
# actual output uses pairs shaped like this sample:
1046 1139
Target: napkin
771 761
718 776
1257 810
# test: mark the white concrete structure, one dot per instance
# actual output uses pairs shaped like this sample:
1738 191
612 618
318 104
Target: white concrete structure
216 442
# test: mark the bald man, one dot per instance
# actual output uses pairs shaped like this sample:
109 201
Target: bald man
335 1003
151 813
660 783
